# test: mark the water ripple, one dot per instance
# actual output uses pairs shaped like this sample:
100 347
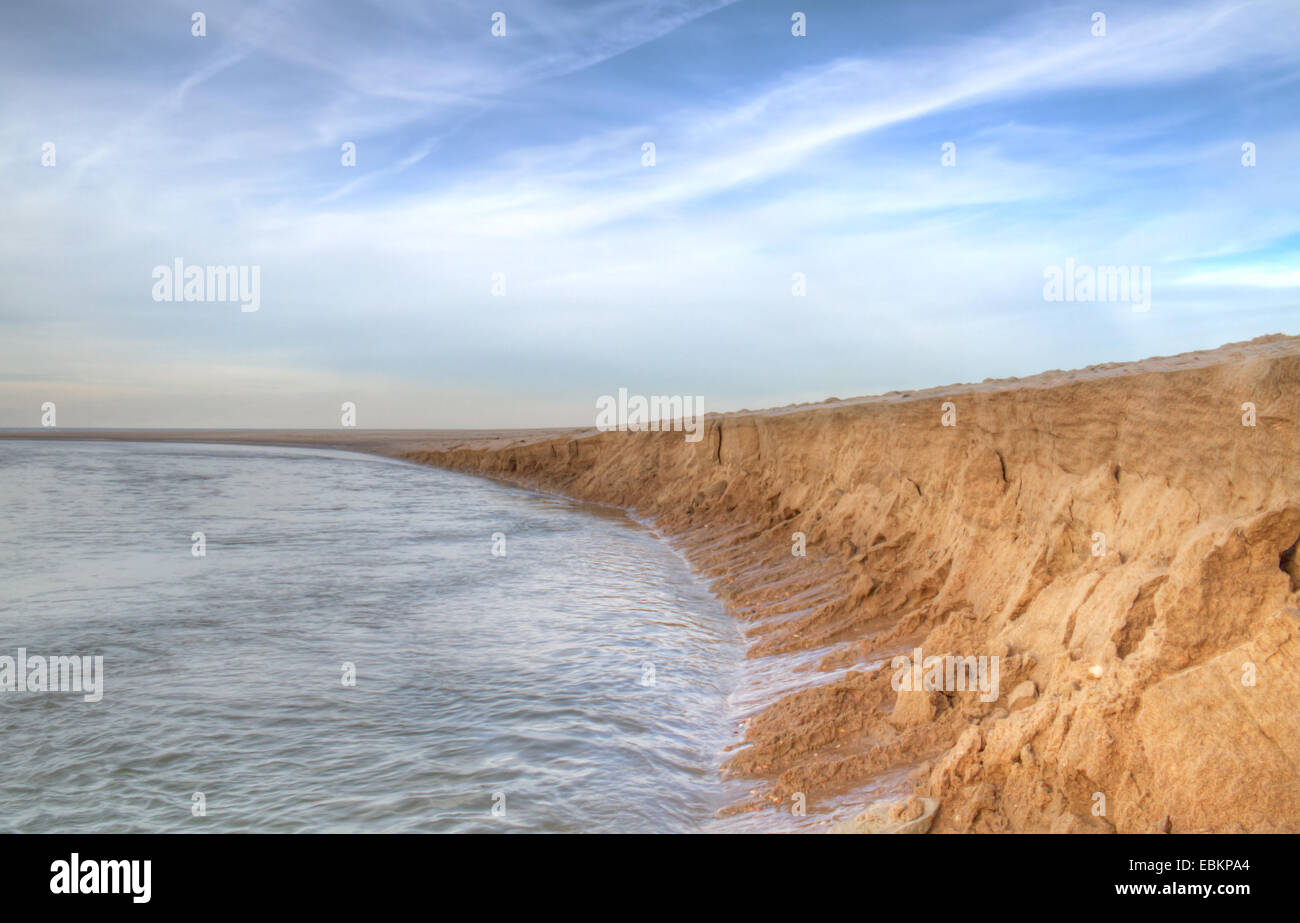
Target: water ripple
476 675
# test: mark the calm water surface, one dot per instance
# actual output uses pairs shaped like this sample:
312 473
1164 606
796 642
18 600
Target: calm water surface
476 674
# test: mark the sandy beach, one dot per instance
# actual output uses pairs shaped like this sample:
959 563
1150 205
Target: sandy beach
1121 538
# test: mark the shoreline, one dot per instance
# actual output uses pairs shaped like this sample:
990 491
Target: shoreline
1120 673
1119 705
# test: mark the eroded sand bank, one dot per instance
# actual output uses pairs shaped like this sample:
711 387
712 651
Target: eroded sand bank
1162 676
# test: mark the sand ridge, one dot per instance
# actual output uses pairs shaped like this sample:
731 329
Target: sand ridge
1148 688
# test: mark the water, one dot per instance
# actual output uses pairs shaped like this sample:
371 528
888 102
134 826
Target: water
477 676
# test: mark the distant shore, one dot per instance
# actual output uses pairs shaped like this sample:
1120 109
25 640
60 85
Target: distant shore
390 442
1122 538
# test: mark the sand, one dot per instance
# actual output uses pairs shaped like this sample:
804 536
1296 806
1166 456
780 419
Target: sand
1150 688
1147 688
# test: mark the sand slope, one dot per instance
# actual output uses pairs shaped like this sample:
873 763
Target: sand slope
1161 677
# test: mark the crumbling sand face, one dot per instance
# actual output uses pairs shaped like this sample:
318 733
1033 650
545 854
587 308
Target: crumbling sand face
1116 537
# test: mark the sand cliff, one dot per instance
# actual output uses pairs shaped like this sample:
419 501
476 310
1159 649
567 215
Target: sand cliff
1152 687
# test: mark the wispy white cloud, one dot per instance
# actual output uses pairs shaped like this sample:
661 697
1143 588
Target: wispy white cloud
470 163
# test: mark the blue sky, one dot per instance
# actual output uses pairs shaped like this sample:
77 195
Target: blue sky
522 155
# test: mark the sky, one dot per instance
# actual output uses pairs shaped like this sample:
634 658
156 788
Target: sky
518 161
